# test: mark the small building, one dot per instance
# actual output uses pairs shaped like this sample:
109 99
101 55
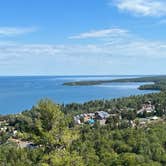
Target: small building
154 118
91 118
101 115
102 122
3 129
146 107
91 121
87 117
23 144
77 120
15 132
3 122
143 121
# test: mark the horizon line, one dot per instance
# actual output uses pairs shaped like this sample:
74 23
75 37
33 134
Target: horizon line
81 75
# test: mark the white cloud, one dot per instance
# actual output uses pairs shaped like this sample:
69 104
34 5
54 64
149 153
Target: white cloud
108 54
12 31
126 48
100 33
115 43
142 7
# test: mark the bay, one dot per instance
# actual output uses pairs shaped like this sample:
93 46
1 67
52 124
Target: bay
22 92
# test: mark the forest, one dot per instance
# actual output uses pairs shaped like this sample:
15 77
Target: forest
59 142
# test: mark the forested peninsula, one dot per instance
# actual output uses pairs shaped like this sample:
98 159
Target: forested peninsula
153 82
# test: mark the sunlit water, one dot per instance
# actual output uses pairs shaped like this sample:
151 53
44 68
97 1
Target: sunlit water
20 93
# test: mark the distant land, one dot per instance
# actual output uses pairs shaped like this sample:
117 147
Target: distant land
159 82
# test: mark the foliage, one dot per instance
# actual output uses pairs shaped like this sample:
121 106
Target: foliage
60 143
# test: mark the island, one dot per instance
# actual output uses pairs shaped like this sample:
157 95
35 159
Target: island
156 82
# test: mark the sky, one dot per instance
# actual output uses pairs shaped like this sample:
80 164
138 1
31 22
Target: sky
82 37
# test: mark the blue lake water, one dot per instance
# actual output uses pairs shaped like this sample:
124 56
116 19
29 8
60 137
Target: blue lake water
20 93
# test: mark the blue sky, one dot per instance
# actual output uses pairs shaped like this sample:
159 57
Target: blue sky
80 37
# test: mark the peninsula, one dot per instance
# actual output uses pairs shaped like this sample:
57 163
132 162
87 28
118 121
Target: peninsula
156 82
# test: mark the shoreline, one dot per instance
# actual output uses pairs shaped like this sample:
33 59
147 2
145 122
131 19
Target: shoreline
158 82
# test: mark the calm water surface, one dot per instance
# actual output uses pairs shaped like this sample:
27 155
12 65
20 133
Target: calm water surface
20 93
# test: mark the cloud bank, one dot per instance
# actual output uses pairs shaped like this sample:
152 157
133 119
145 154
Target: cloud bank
154 8
114 48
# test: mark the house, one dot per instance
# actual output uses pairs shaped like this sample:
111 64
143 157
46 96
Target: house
143 121
87 117
23 144
3 122
102 122
101 115
84 118
3 129
91 121
90 118
153 118
15 133
146 107
77 120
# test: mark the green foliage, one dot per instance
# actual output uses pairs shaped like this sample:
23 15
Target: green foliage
60 143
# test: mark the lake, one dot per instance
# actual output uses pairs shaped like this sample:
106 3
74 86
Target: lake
20 93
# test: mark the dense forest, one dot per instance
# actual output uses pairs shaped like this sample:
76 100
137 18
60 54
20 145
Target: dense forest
57 141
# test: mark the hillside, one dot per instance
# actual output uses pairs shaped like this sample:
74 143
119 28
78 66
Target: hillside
46 134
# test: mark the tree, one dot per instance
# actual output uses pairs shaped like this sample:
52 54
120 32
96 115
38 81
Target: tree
51 126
